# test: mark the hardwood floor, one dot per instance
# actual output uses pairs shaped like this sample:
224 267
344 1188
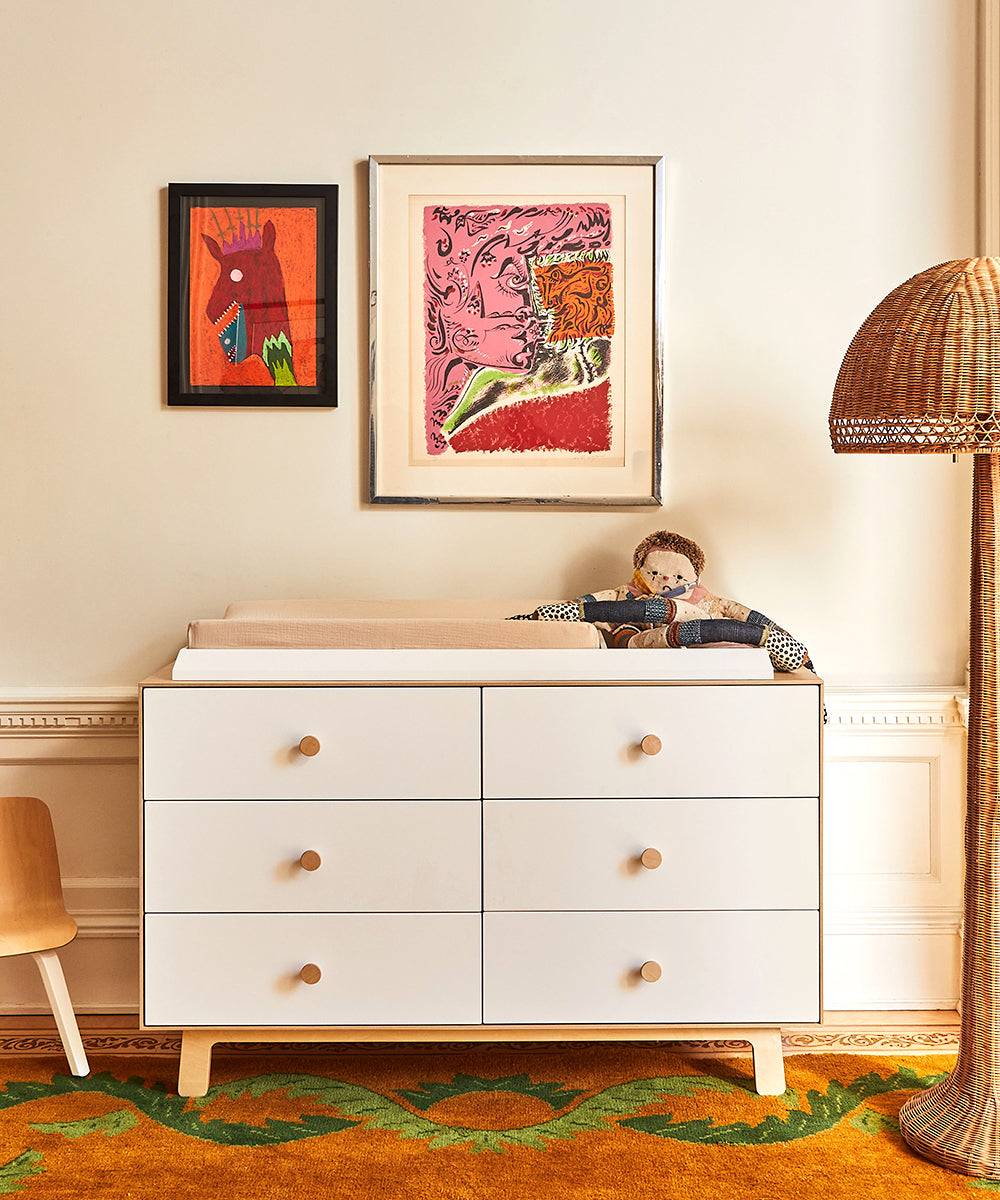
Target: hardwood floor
840 1033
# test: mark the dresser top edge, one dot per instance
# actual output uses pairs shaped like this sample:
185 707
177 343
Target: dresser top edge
163 678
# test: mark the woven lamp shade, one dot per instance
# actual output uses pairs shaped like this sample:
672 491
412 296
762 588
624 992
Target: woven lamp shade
922 375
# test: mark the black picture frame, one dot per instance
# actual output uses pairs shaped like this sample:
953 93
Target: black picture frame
263 333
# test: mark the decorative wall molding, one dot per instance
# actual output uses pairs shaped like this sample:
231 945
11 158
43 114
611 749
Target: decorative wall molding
67 723
105 923
903 922
68 726
898 710
905 1041
104 908
64 711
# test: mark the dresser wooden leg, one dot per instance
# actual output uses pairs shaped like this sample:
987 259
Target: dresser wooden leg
768 1062
196 1063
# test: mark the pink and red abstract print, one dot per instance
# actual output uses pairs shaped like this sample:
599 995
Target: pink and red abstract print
519 319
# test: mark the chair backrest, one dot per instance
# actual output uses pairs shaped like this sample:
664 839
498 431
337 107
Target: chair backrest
29 863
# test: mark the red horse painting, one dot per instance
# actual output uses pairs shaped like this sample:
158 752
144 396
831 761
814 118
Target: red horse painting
248 303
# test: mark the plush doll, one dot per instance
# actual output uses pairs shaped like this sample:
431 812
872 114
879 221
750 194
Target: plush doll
665 604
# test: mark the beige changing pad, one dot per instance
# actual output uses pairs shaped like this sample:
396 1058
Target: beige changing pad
387 625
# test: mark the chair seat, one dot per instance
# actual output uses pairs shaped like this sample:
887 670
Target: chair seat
30 933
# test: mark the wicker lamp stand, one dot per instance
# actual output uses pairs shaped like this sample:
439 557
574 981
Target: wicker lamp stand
922 376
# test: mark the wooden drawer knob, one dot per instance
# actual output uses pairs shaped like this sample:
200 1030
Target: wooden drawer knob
651 744
310 973
309 746
650 858
650 971
309 860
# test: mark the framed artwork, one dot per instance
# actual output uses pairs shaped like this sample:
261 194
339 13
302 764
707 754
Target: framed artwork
252 295
515 322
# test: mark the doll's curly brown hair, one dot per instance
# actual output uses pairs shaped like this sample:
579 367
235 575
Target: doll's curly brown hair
662 539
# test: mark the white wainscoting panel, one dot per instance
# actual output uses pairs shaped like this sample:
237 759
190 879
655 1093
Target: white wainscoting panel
79 752
894 792
894 796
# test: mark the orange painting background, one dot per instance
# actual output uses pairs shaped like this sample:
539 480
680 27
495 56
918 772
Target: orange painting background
295 246
579 295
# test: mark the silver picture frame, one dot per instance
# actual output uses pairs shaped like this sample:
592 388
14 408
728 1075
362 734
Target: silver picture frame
516 330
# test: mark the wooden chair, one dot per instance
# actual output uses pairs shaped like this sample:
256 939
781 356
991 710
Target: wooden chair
33 916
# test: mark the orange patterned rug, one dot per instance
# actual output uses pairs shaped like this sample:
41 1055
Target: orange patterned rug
589 1121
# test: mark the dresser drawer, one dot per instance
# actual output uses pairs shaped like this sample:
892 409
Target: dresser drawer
585 854
374 856
717 740
717 967
377 969
374 743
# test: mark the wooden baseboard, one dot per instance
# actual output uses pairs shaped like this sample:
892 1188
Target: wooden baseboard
914 1032
877 1033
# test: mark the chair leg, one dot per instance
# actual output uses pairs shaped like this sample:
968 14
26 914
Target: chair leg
62 1009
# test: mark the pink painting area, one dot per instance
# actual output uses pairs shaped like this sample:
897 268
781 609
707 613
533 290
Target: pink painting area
519 317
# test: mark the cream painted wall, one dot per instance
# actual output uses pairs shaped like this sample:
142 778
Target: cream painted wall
818 154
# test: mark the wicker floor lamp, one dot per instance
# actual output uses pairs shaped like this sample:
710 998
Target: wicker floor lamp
922 376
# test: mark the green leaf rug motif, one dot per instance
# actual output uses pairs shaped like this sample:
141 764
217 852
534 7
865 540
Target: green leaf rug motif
353 1105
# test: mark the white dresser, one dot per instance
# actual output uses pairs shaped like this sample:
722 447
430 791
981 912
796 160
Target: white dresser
481 858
